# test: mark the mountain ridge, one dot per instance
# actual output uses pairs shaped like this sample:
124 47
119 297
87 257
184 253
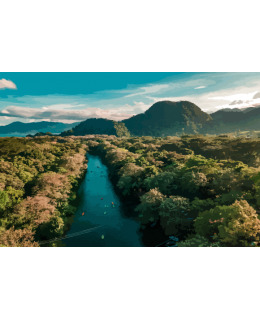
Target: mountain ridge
44 126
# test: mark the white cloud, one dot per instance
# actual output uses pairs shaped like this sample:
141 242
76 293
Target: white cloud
5 111
150 89
201 87
71 115
7 84
238 96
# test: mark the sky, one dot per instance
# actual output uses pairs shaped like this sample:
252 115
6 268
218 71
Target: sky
76 96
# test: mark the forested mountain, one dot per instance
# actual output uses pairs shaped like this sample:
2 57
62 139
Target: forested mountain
168 118
98 126
43 126
234 119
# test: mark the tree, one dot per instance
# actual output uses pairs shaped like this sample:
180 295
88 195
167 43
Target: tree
242 225
235 225
4 199
164 181
33 211
17 238
150 203
171 212
53 185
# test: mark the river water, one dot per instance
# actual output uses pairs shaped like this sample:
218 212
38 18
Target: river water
116 229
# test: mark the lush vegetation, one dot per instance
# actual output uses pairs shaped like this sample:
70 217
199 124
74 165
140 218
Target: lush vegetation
38 182
205 190
98 126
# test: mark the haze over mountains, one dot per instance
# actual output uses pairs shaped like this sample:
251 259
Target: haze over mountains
163 118
34 127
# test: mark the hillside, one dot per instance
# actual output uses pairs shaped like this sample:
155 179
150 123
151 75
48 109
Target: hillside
168 118
33 127
98 126
234 119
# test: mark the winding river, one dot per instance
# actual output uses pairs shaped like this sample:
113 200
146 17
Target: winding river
97 194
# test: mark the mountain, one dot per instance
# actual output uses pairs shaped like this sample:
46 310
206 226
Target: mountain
34 127
234 119
98 126
168 118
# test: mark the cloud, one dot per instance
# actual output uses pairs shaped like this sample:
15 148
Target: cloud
257 95
7 84
5 111
242 106
235 102
239 96
150 89
201 87
71 115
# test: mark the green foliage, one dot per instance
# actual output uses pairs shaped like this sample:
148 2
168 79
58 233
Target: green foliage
198 241
171 212
164 181
29 194
62 170
203 225
25 176
51 229
4 199
150 170
193 181
242 225
150 203
235 225
126 184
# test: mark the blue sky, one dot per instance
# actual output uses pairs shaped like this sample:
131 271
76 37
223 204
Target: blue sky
71 97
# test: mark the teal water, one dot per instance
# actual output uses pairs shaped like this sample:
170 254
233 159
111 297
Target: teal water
116 229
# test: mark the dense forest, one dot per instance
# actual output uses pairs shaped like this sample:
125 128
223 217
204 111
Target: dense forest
38 182
205 190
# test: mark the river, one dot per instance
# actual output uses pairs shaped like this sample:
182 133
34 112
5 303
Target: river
116 229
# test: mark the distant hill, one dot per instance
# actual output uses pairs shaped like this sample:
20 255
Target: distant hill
98 126
34 127
168 118
234 119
